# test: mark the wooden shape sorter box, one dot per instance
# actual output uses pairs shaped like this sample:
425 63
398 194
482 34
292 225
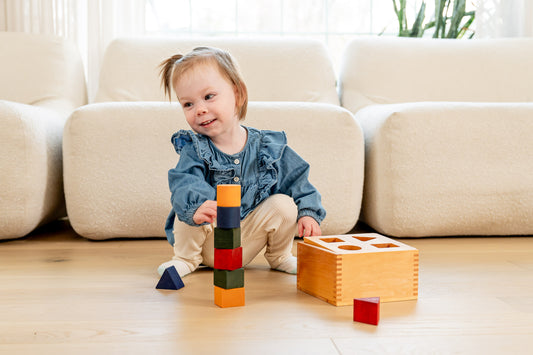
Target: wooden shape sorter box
339 268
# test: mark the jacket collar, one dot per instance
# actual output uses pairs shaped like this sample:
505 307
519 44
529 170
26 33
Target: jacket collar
271 144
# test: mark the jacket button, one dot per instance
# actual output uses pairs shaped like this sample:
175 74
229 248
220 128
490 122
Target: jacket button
236 179
236 161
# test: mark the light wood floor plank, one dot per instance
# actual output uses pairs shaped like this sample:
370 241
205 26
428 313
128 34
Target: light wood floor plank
63 294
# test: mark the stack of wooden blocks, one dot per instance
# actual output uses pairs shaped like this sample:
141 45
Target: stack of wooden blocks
229 272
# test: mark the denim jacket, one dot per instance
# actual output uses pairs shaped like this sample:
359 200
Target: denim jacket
266 166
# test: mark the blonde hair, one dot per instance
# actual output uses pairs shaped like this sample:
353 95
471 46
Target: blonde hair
172 68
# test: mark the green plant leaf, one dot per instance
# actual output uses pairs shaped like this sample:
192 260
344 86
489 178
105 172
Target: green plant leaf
457 15
439 20
450 19
418 28
467 24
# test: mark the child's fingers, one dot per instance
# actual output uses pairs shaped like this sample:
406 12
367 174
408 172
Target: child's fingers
300 230
209 208
314 229
307 229
207 212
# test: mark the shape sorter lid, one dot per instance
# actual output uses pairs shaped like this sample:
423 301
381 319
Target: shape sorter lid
357 243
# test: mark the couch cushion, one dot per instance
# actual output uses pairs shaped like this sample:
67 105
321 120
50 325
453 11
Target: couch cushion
441 168
274 70
395 70
39 68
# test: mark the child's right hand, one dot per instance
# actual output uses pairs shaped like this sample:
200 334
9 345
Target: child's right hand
207 212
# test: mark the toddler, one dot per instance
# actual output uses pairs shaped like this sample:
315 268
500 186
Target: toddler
277 200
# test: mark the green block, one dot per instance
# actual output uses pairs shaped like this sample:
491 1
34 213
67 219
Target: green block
228 279
227 238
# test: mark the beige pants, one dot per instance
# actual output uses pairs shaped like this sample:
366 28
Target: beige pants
271 224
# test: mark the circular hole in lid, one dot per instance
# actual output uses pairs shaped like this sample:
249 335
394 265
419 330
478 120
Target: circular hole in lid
349 247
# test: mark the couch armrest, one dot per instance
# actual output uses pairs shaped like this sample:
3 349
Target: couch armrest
445 168
31 161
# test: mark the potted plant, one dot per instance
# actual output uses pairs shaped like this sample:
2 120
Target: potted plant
450 20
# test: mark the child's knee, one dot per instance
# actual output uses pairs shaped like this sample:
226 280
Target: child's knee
285 207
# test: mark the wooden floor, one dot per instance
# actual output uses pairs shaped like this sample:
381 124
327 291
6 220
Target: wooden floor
63 294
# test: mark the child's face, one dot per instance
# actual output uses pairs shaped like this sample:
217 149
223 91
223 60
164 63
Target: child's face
208 100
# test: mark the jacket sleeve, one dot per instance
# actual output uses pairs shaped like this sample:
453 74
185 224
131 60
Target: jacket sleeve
294 181
188 185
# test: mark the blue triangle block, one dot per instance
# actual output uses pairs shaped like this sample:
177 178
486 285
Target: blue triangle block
170 280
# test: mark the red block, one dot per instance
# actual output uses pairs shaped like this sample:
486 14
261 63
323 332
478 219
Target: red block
228 259
366 310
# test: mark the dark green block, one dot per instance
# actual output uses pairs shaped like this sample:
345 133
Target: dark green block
227 238
228 279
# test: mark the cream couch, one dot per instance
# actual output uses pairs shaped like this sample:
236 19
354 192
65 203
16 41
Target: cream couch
448 130
42 83
117 152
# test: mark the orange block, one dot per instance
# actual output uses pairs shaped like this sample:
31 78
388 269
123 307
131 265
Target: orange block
229 195
229 298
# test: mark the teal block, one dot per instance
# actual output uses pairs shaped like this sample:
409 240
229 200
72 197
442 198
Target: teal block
228 279
227 238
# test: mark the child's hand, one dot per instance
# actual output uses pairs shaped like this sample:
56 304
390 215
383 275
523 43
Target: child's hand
308 227
207 212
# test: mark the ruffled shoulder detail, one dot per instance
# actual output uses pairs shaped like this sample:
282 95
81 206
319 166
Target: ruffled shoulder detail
181 139
200 143
272 144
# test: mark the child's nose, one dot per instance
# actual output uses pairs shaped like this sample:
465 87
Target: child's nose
201 109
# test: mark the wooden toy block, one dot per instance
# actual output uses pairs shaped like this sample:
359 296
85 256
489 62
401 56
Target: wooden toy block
228 195
339 268
170 280
366 310
229 298
227 238
228 217
228 259
228 279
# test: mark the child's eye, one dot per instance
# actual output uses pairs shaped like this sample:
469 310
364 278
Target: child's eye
187 105
209 96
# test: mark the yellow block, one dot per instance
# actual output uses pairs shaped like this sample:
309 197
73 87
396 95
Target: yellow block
229 195
339 268
229 298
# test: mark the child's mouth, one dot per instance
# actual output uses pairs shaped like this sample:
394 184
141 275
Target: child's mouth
207 123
